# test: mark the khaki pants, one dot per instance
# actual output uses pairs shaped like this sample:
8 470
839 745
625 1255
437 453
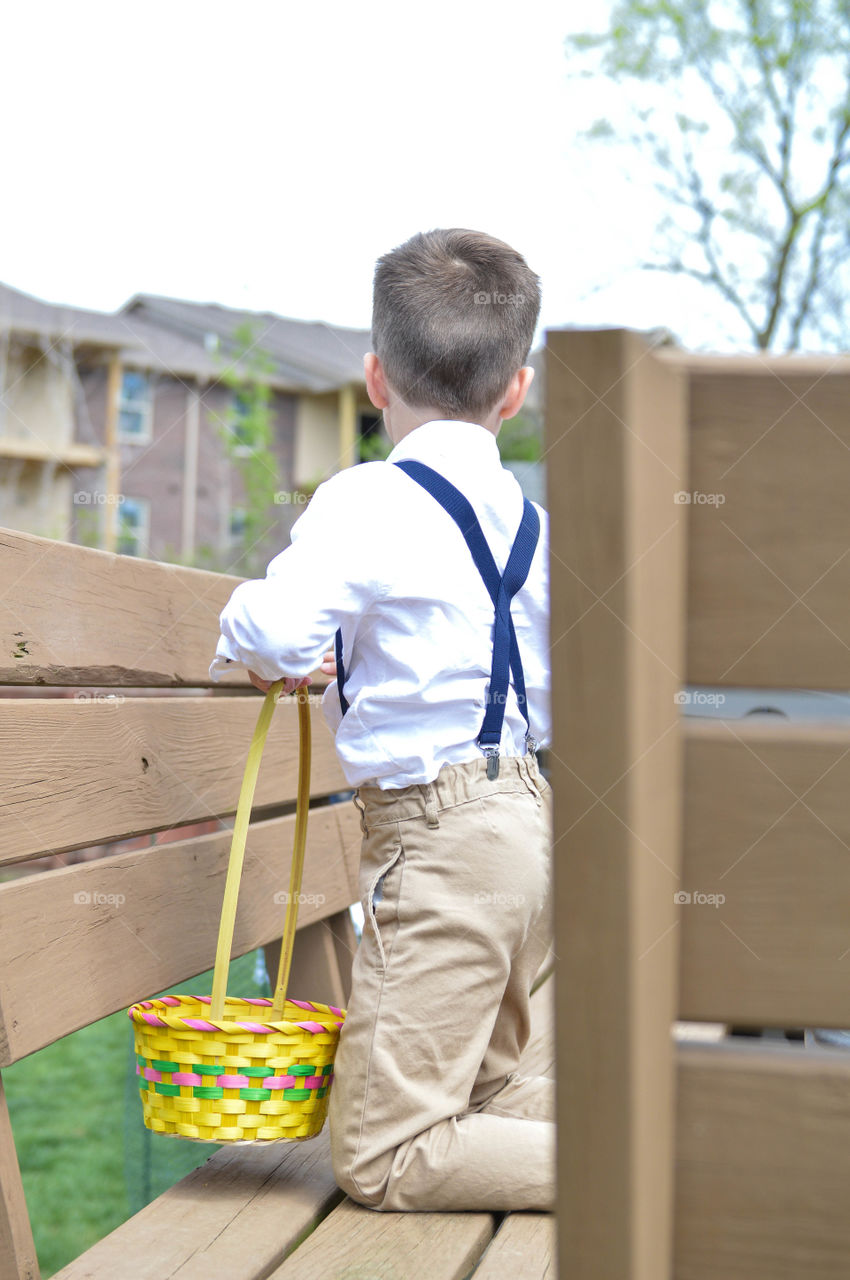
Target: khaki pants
427 1109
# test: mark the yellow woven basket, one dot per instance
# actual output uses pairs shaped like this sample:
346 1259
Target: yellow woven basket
214 1068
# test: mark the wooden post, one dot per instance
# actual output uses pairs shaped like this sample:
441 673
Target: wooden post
615 454
190 470
17 1250
348 442
113 461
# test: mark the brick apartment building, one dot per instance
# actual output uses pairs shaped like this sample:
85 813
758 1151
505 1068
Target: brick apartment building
111 424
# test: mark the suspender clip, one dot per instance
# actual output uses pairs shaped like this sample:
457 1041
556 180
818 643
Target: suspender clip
492 754
532 744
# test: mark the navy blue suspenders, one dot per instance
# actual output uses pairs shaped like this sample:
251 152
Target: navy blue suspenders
502 588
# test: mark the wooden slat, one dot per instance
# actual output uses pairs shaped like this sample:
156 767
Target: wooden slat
769 573
60 606
523 1246
79 773
355 1241
321 960
152 921
17 1250
234 1218
763 1164
767 826
615 449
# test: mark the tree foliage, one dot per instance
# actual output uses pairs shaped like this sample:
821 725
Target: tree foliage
247 433
744 111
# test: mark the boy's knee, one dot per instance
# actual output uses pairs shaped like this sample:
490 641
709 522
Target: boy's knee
361 1180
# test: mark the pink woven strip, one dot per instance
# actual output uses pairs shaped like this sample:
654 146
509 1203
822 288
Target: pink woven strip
172 1000
280 1082
258 1000
338 1012
313 1082
233 1082
153 1020
198 1024
150 1074
186 1077
315 1027
303 1004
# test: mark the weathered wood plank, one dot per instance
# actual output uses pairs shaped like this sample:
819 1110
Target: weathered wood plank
81 942
523 1246
767 828
234 1218
17 1250
768 570
355 1241
763 1163
616 454
60 605
79 773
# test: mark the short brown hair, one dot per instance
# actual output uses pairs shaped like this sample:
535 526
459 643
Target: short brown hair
453 318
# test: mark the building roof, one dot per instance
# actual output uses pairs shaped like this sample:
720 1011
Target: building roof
194 339
321 356
189 339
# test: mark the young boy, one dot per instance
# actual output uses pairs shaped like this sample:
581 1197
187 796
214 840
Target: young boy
438 585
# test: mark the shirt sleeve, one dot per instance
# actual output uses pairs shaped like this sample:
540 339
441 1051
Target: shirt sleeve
282 625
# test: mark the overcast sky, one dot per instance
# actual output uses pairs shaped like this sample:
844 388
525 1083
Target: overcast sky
262 155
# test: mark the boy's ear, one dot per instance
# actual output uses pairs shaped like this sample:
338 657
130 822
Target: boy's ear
376 383
516 392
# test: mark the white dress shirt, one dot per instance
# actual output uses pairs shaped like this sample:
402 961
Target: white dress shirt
375 554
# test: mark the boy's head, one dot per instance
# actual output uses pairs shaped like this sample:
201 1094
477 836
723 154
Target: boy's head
453 318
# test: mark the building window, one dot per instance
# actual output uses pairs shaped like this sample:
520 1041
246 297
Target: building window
240 410
372 443
134 519
237 525
134 407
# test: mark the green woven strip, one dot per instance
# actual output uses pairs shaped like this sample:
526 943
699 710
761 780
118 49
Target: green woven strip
171 1090
252 1071
159 1064
141 1059
328 1069
202 1069
320 1093
297 1095
300 1069
255 1095
198 1091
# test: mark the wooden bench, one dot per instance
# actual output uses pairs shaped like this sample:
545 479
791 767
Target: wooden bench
725 1161
84 771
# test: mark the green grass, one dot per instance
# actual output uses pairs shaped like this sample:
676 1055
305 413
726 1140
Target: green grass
84 1174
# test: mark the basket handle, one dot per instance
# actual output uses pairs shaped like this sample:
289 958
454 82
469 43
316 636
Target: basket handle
237 854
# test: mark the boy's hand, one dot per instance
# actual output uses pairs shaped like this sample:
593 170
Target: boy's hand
291 683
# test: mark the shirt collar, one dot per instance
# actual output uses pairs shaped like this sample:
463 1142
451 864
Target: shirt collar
446 438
